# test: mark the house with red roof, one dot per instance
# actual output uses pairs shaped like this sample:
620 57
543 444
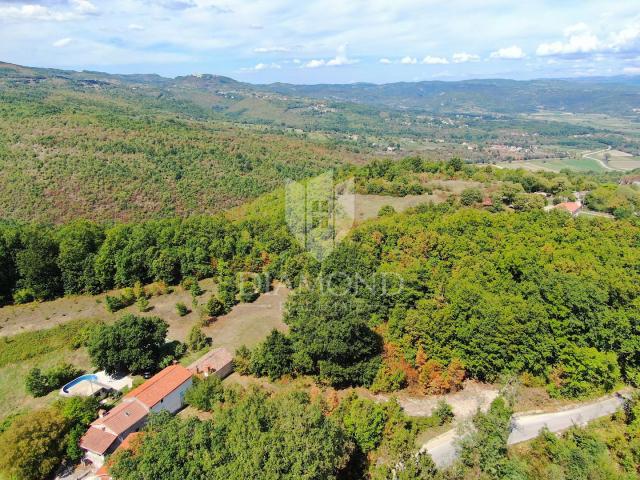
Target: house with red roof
572 207
163 391
129 443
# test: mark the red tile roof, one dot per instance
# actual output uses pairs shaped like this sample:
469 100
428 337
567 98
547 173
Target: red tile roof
105 430
97 440
571 207
212 361
123 417
160 385
129 443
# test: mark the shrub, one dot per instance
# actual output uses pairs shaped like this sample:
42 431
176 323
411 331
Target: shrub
182 309
470 196
139 291
242 360
196 339
389 379
386 210
143 304
443 412
584 371
248 292
24 295
205 393
214 307
37 383
127 298
437 379
227 291
364 420
40 383
195 289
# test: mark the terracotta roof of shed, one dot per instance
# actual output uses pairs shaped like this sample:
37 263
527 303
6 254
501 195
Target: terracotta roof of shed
160 385
212 361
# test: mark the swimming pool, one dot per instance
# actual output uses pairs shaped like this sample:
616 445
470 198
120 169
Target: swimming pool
82 378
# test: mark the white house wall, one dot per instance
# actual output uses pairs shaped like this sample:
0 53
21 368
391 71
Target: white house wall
175 400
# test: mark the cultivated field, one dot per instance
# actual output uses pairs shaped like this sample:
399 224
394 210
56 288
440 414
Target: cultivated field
555 165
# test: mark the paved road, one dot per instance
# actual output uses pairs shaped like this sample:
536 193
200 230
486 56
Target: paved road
525 427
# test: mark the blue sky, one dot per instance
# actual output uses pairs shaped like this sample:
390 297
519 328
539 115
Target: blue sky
330 41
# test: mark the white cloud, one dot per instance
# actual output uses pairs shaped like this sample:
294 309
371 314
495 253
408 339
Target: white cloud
314 64
270 49
409 60
31 12
42 13
296 61
135 26
385 61
340 59
463 57
578 39
429 60
84 6
576 28
632 70
266 66
508 53
63 42
625 38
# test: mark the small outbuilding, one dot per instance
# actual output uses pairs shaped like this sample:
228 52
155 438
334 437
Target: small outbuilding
572 207
218 361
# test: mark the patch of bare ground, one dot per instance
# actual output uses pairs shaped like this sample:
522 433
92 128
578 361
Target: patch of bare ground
465 403
249 323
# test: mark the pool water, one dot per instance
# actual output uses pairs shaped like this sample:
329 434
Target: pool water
82 378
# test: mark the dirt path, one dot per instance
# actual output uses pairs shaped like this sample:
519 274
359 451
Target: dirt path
604 165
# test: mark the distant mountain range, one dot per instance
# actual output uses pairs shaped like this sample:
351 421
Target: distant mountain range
618 95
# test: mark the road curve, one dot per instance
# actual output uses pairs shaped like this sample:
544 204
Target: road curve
443 448
604 165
